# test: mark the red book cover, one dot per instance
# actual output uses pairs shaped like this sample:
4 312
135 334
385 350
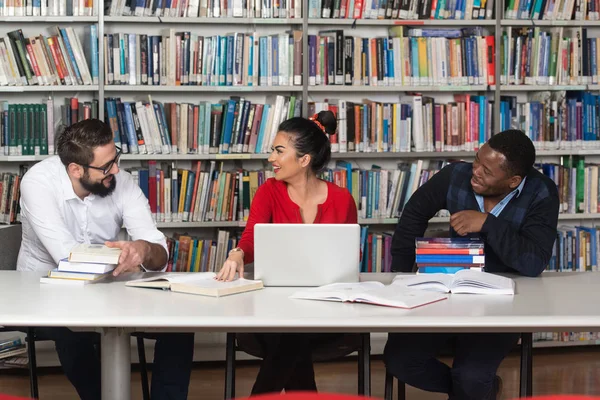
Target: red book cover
491 59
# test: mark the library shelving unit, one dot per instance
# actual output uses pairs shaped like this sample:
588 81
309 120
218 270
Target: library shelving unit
33 25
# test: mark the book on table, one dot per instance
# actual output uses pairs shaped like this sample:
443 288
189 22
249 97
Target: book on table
463 281
94 253
202 283
375 293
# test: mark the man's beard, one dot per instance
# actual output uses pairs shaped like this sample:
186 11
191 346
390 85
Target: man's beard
98 188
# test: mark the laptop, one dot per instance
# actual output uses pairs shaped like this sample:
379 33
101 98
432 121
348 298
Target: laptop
306 254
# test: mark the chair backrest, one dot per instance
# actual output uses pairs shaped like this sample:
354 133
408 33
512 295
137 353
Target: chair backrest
10 237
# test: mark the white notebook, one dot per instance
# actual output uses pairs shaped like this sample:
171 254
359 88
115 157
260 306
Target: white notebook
464 281
375 293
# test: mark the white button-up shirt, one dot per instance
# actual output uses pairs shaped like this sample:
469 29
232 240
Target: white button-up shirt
55 219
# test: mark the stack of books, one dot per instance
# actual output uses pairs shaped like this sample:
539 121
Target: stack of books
449 255
87 263
13 353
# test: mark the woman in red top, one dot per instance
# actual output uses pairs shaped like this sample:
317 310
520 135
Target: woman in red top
300 150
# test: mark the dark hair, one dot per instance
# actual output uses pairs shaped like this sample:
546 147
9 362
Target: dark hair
518 150
78 141
309 138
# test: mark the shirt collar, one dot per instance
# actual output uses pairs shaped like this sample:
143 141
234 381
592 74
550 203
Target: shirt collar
66 183
519 188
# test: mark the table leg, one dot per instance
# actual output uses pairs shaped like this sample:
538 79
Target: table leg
116 364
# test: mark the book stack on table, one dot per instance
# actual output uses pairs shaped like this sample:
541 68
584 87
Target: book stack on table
87 263
449 255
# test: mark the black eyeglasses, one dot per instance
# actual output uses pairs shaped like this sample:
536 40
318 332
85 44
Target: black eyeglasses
106 169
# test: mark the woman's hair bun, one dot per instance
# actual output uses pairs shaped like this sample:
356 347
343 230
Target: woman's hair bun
327 119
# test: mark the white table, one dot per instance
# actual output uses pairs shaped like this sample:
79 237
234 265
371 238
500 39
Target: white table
554 302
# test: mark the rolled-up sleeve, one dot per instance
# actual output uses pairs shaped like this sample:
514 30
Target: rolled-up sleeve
137 217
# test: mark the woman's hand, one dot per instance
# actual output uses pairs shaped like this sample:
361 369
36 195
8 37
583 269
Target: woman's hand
233 264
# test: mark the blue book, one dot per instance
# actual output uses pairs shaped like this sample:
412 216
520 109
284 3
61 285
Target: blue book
449 259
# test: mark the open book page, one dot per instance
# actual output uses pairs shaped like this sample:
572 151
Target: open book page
336 291
464 281
432 282
397 296
164 280
202 283
467 281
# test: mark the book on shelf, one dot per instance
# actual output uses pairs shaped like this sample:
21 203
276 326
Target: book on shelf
374 293
203 284
403 10
185 58
59 59
94 253
206 9
10 193
464 281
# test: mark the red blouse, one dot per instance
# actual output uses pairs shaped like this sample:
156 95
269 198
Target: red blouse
272 204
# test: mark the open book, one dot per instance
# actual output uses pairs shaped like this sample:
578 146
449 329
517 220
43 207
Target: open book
372 293
202 283
464 281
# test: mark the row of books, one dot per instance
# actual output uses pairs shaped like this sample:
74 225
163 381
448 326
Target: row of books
30 129
405 9
10 193
13 353
193 254
566 337
184 58
575 249
205 194
59 59
238 125
554 120
205 8
553 56
553 10
47 8
234 126
405 57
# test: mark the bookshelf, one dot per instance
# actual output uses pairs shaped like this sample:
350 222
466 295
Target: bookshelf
305 91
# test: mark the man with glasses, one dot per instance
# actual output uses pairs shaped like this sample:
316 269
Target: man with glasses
81 196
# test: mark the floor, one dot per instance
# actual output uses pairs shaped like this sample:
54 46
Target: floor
555 371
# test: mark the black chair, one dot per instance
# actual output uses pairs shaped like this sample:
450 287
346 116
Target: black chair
347 344
525 384
31 339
